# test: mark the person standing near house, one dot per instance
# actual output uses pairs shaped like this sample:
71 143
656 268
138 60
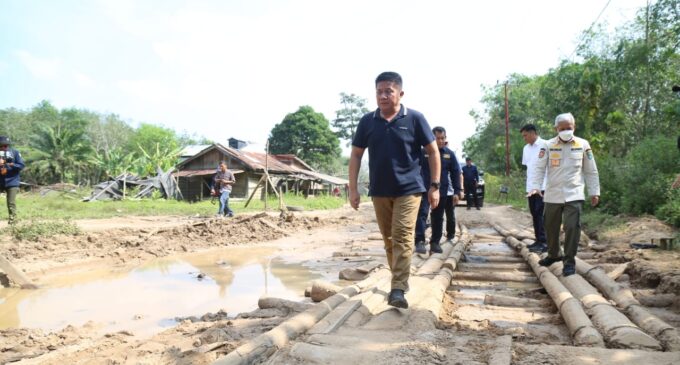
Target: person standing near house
470 181
571 166
11 165
222 183
529 157
394 136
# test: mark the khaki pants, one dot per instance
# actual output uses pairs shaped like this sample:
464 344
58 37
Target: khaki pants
397 220
569 215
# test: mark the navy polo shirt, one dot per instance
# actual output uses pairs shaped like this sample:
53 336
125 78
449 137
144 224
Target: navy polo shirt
449 169
394 155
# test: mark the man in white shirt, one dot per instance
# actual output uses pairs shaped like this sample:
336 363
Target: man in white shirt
529 158
571 166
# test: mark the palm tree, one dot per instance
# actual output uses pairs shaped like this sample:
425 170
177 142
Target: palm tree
60 151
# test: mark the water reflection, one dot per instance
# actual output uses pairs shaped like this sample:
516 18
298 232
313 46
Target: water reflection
159 290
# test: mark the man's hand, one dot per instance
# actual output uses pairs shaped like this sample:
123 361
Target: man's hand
534 192
594 200
455 199
354 198
433 197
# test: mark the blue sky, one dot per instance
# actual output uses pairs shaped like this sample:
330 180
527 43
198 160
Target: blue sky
236 68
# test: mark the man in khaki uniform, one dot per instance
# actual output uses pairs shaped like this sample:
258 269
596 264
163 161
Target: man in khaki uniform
571 165
394 136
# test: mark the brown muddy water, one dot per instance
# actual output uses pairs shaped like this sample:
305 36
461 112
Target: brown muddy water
148 298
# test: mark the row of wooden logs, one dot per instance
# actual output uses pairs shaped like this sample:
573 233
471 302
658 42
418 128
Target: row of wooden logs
590 317
438 267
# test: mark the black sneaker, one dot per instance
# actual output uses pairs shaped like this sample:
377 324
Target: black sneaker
435 248
549 261
538 247
420 247
397 299
568 269
478 208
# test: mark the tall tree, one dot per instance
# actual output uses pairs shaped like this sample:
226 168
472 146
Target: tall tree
60 153
306 134
347 118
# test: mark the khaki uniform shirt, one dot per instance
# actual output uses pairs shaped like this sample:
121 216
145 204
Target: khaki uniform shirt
570 166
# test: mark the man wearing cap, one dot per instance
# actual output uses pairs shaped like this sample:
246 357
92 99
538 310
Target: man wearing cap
11 164
470 180
570 166
394 136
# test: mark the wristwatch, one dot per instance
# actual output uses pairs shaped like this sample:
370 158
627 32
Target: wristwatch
435 184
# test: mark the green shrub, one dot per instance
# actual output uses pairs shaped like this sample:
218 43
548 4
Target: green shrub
647 172
33 230
669 212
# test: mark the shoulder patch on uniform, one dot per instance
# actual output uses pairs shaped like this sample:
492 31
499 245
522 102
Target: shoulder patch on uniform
446 155
589 154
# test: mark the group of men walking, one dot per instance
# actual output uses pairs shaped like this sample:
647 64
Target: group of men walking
413 172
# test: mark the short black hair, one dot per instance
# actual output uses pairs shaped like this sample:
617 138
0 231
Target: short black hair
390 77
468 158
436 130
528 128
224 162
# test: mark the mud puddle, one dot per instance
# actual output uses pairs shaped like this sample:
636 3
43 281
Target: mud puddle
148 298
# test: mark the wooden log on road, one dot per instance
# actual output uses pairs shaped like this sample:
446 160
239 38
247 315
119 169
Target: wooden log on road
481 259
507 301
322 290
624 299
289 305
434 263
15 274
657 300
518 277
618 330
580 327
256 349
471 266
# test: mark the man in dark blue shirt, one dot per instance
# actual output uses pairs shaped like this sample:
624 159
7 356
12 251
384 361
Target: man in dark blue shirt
470 180
11 165
450 172
394 136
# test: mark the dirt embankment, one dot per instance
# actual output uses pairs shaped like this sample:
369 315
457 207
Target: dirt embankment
133 245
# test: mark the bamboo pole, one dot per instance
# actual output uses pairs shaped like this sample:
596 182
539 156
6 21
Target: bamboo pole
268 342
580 327
624 299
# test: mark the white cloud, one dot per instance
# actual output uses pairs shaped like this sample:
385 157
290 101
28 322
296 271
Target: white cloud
40 68
83 80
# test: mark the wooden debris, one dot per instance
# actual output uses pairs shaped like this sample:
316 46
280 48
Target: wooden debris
15 274
322 289
291 306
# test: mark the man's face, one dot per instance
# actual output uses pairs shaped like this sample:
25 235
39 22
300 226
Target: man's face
529 136
4 147
441 139
565 126
223 167
388 95
468 162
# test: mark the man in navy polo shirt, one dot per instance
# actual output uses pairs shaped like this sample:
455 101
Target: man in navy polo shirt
394 136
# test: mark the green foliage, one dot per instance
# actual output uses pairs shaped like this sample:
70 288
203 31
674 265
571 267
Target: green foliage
60 152
593 220
33 230
159 158
516 193
307 135
347 118
670 211
147 136
83 147
645 174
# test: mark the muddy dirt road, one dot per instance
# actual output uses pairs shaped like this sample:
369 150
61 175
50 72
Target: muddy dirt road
185 291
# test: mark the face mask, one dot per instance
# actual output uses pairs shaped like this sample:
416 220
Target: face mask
566 135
